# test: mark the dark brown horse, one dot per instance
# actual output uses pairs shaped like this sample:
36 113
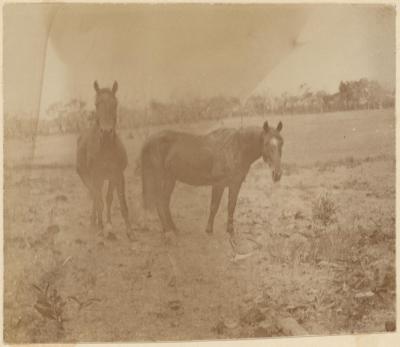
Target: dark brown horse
101 156
220 159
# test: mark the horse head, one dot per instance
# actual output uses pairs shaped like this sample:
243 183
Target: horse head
272 143
106 111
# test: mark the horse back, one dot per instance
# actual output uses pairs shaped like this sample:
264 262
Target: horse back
196 159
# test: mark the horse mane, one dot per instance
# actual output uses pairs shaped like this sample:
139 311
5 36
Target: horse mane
234 146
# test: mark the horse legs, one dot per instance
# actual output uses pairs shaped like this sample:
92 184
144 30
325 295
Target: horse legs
93 217
124 206
216 195
109 199
97 206
234 189
162 212
85 177
162 215
98 200
169 186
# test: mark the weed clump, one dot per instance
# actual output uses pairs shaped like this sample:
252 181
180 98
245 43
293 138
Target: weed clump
324 210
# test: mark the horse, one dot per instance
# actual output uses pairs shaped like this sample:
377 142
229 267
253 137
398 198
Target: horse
102 156
220 159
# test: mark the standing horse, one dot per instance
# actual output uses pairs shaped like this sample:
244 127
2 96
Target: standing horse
220 159
101 156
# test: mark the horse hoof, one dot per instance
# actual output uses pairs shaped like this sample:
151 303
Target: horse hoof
140 227
170 238
131 236
209 231
111 237
177 231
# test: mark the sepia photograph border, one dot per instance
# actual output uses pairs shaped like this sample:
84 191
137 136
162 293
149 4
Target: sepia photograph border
356 340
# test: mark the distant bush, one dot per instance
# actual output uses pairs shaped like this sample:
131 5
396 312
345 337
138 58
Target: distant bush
72 116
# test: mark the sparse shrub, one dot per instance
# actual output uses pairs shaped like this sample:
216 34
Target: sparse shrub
324 210
50 305
326 166
350 162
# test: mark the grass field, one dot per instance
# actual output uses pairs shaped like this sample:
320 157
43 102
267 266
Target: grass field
325 238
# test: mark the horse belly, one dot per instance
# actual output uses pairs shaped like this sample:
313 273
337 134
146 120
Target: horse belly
194 180
191 167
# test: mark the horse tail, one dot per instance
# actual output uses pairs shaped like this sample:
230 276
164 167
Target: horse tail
149 177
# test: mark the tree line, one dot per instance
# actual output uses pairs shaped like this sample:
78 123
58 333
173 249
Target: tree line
73 116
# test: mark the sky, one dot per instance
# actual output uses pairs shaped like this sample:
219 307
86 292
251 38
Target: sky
338 43
174 52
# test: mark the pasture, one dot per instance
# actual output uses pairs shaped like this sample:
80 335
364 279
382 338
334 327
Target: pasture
322 243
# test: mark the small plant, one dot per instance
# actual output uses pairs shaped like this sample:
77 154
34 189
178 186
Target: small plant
50 305
324 210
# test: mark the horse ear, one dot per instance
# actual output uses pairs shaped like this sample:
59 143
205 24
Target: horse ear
266 126
115 87
96 86
280 126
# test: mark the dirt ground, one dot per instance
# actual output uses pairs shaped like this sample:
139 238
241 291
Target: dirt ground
321 244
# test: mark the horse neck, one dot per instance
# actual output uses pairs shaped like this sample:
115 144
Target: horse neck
252 138
96 126
106 146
